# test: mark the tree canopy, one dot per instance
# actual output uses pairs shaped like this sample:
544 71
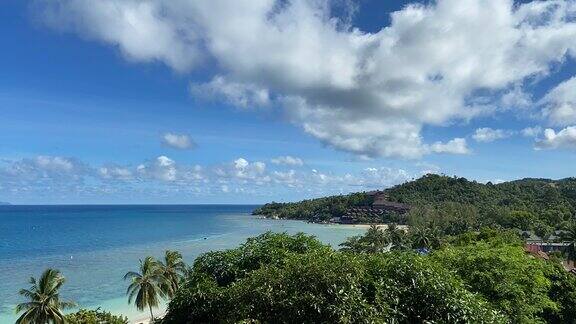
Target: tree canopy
481 277
455 205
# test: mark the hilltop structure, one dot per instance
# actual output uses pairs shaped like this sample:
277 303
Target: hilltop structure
380 206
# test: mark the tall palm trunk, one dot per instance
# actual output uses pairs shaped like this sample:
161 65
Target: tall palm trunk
151 314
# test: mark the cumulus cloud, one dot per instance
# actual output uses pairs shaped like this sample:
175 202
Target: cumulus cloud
243 170
383 177
162 168
165 177
516 98
238 94
178 141
531 131
46 168
487 134
368 93
289 178
455 146
115 173
560 103
565 138
137 28
288 160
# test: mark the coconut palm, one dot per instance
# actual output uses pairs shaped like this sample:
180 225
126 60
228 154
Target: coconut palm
173 270
397 237
375 240
44 304
424 237
145 287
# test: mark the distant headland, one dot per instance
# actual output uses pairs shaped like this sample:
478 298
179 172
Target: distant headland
3 203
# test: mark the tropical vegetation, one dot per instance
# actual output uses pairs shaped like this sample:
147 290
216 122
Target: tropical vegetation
96 316
476 277
387 275
172 269
43 303
155 280
454 205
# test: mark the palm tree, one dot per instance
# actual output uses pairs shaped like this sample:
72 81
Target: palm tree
397 237
375 240
173 270
145 287
44 305
425 237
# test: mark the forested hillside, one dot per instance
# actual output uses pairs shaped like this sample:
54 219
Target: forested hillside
537 204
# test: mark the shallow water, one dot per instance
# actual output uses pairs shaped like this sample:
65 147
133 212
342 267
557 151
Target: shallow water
94 246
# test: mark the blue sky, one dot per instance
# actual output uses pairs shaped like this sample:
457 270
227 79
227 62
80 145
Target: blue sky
162 102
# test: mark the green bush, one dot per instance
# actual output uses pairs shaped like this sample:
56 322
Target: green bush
97 316
511 281
295 279
269 248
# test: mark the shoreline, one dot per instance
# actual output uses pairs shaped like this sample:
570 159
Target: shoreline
367 226
360 225
111 263
145 319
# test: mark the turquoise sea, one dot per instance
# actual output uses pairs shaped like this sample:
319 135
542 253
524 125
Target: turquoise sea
94 246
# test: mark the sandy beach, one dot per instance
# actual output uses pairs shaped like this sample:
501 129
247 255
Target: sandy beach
366 226
144 319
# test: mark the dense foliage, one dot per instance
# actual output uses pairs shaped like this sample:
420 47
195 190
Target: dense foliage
96 316
387 275
477 277
155 280
43 303
320 209
456 205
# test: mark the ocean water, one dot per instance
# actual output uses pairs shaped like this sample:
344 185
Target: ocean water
94 246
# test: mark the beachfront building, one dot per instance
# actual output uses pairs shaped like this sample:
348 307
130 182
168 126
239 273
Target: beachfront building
380 208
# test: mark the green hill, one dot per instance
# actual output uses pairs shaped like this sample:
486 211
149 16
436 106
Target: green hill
536 204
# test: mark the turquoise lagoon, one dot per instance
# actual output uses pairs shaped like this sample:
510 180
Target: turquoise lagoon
94 246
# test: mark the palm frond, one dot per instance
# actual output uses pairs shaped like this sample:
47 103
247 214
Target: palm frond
132 274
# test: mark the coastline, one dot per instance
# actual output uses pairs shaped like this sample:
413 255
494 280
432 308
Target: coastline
367 226
358 226
95 272
145 319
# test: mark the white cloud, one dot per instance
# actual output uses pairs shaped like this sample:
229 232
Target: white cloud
238 94
560 103
139 29
244 171
115 173
516 98
164 177
162 168
289 178
288 160
565 138
366 93
455 146
531 131
383 177
178 141
43 167
487 134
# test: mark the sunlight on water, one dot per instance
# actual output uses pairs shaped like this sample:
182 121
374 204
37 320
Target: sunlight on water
95 246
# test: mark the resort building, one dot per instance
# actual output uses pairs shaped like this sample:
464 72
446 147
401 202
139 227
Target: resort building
380 206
